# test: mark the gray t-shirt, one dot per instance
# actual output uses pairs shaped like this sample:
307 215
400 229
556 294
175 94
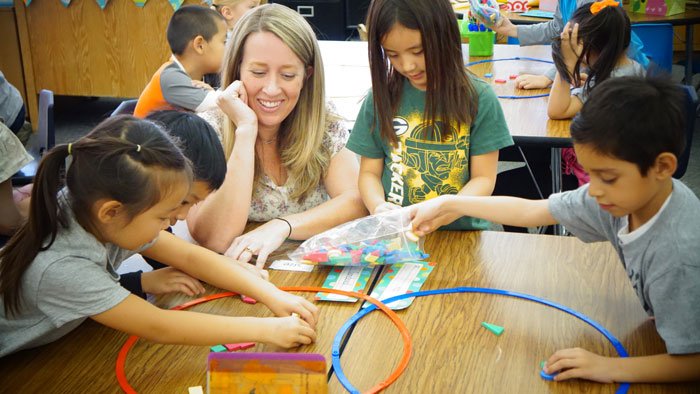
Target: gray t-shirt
72 280
631 69
663 263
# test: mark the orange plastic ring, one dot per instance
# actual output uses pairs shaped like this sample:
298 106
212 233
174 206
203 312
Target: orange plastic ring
407 344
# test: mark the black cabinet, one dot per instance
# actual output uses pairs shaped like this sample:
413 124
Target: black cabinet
327 17
355 12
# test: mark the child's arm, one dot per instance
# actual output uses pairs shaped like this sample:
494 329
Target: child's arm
371 188
483 171
535 34
138 317
429 215
222 272
344 205
562 105
659 368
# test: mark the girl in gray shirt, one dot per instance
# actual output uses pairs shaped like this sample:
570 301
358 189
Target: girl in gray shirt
125 181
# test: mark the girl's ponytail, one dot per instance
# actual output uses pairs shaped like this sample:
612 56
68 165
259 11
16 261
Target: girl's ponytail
38 232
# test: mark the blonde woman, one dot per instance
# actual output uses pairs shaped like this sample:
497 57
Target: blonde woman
287 161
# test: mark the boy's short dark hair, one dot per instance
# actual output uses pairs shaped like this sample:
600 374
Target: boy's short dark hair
633 119
191 21
198 142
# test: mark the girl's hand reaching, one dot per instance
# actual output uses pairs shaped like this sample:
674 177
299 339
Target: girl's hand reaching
290 331
233 101
505 27
571 46
429 216
170 280
285 304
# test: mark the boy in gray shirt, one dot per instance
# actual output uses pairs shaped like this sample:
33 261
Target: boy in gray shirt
630 148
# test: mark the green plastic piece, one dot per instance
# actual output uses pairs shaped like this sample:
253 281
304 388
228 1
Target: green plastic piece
542 364
218 348
497 330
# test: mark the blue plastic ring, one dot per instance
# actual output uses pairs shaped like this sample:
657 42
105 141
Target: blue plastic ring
338 369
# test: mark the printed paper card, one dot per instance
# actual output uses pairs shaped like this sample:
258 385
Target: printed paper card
402 278
289 265
346 278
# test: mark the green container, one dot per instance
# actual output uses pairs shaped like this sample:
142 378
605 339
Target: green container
481 43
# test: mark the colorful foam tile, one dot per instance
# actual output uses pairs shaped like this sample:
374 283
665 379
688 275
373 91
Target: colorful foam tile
65 3
141 3
497 330
402 278
218 348
102 3
232 347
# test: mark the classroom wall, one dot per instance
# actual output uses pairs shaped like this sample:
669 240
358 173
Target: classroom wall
10 58
83 50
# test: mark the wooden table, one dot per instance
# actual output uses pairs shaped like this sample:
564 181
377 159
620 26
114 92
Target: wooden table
454 354
84 360
451 352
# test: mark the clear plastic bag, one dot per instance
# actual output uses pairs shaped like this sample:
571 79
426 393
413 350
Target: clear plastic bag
486 11
385 238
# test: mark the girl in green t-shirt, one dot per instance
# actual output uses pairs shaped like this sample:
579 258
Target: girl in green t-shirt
428 127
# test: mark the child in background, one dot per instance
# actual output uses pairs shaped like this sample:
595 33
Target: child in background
630 147
125 180
546 32
598 41
233 10
197 39
429 127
